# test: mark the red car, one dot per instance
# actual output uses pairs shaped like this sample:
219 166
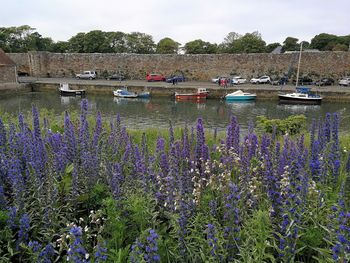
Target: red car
155 77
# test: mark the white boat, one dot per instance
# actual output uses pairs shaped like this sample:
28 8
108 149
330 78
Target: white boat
123 93
66 91
302 95
240 95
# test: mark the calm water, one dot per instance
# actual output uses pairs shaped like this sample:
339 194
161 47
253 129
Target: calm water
156 112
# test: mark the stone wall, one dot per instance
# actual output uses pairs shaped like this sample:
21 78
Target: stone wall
7 74
195 67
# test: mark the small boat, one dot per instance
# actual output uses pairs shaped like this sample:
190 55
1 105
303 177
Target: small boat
123 93
302 95
240 95
66 91
201 94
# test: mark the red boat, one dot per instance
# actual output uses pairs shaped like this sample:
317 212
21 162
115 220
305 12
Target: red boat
201 94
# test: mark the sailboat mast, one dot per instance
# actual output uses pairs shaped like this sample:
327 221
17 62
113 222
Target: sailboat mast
301 48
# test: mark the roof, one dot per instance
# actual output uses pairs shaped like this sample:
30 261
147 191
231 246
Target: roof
5 60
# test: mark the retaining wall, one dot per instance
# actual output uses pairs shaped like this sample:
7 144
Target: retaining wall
195 67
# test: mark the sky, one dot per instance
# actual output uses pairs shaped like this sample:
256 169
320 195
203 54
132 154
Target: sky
181 20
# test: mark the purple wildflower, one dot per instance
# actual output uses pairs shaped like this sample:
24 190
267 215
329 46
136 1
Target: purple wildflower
76 251
46 254
212 239
24 227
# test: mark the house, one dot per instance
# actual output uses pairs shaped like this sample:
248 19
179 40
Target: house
7 68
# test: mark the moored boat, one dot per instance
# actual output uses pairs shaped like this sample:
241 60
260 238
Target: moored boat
302 95
240 95
66 91
123 93
201 94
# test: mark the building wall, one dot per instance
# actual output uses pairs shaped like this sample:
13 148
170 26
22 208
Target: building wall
7 74
195 67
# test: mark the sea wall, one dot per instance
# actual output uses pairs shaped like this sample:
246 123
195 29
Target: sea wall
195 67
7 74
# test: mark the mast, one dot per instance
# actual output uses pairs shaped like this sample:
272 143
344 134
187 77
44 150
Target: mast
301 48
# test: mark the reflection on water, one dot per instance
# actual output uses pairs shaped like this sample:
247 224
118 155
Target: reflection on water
130 100
156 112
298 109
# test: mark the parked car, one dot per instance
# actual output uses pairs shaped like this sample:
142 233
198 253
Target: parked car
216 79
116 77
344 81
155 77
176 78
305 80
238 80
325 82
261 80
281 81
86 75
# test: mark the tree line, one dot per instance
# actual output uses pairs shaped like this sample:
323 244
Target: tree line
25 38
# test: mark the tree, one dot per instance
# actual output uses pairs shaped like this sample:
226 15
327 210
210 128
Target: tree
200 47
248 43
324 41
76 43
291 44
229 45
35 42
13 39
167 46
96 41
60 47
340 47
251 43
117 41
140 43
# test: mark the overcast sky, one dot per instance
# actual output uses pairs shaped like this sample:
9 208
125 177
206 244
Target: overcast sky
181 20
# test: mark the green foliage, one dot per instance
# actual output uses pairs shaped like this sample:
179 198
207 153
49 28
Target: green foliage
248 43
291 44
292 125
257 238
167 46
200 47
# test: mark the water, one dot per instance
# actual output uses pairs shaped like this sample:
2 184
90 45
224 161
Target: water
156 112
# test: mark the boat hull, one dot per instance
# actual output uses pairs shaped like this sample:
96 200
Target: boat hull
194 96
240 98
293 100
72 92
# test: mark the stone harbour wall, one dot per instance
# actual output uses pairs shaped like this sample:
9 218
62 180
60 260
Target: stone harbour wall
7 74
195 67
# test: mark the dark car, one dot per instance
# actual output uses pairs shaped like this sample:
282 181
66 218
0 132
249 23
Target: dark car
117 77
325 82
305 80
281 81
178 78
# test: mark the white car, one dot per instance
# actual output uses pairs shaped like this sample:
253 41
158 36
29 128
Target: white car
216 79
261 80
238 80
344 81
86 75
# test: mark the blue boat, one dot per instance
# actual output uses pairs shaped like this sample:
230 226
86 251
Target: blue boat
124 93
239 96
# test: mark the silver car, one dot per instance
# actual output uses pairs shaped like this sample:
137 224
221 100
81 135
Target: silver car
344 81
